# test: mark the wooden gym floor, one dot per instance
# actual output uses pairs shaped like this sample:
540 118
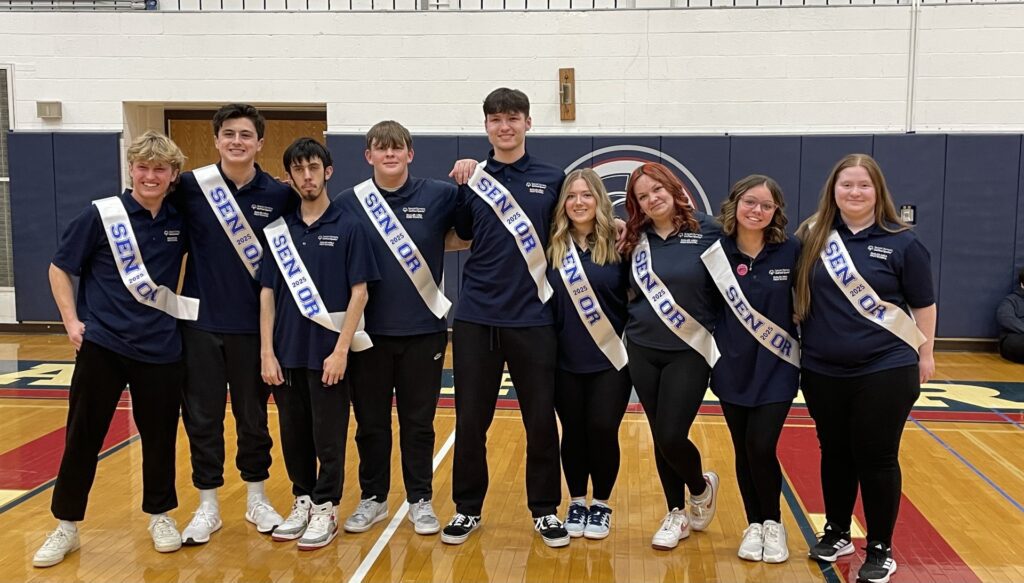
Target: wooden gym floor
962 517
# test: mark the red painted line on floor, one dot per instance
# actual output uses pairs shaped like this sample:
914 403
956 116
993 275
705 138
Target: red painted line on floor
36 462
920 551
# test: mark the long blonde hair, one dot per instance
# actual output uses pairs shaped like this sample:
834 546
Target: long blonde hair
815 230
601 240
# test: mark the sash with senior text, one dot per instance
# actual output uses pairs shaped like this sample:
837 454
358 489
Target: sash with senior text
674 317
769 334
863 298
589 309
402 247
128 258
300 284
230 217
517 223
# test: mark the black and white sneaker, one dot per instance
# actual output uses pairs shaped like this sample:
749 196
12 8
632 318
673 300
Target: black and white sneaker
833 544
459 528
551 530
879 565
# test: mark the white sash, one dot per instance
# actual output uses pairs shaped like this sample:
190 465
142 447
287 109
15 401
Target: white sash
863 298
402 247
230 217
303 290
589 309
772 336
674 317
518 224
128 258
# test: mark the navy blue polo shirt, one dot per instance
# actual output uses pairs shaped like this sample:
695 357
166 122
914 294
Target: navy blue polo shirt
229 298
677 262
577 351
748 374
837 340
426 209
113 318
337 255
497 289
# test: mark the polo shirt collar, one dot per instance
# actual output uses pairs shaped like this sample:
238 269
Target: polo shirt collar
132 206
331 214
731 248
400 191
258 182
494 166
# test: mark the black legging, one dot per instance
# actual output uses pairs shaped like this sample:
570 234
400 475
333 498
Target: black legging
860 421
671 386
591 407
1012 348
755 435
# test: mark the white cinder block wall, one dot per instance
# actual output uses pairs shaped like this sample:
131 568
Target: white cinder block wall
736 70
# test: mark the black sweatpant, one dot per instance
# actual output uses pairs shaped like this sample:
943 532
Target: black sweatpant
96 385
1012 348
860 421
408 368
590 407
755 435
671 386
215 364
479 355
314 427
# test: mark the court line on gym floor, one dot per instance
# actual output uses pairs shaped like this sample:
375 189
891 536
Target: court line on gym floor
1004 416
977 472
378 547
828 570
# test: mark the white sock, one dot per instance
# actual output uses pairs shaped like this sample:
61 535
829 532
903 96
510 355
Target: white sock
154 517
703 496
68 526
256 489
582 500
209 497
601 503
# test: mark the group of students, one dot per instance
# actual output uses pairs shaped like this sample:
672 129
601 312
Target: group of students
578 304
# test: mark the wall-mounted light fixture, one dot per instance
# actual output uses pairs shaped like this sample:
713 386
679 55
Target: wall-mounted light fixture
567 94
49 109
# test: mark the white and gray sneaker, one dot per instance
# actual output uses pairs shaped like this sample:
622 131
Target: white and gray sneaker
776 548
323 527
205 521
58 544
163 529
674 528
421 515
298 519
259 512
752 547
368 513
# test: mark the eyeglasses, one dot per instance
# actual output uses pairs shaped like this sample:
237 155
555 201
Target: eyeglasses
749 203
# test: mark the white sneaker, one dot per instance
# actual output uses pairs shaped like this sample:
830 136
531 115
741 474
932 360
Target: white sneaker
421 514
702 511
776 549
368 513
298 519
205 521
323 527
752 547
674 528
58 544
166 538
259 512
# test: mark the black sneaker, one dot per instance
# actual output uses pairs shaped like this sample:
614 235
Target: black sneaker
458 529
833 544
879 564
551 530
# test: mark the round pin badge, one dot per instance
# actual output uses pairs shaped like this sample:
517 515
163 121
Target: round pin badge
741 269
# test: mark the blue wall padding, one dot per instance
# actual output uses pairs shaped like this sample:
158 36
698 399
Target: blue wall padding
977 231
968 191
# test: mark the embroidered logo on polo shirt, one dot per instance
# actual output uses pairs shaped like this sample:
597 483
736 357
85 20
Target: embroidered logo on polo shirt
260 210
537 187
779 274
327 240
690 238
172 236
414 212
877 252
